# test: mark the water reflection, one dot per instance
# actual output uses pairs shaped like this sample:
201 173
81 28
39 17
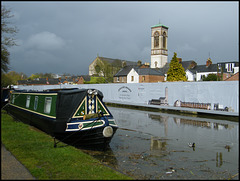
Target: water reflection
219 163
179 121
158 144
150 145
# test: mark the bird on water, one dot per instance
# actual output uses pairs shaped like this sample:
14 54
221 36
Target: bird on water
191 145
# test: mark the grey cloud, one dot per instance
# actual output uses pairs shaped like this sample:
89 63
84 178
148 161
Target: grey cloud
45 41
71 34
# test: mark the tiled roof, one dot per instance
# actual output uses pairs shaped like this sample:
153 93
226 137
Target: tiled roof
204 68
164 69
186 64
141 71
158 25
86 77
111 60
235 77
149 71
125 70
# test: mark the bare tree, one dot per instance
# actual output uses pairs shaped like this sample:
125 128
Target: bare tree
7 37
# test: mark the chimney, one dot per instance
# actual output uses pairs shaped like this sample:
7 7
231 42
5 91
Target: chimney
193 64
139 63
209 62
179 60
47 80
145 65
124 63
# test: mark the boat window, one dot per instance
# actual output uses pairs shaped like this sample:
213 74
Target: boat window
47 105
13 99
28 102
36 103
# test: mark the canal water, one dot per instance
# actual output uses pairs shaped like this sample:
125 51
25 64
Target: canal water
153 145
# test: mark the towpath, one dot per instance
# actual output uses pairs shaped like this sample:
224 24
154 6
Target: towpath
11 168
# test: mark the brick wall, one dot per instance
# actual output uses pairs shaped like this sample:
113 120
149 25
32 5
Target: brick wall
121 80
235 77
151 78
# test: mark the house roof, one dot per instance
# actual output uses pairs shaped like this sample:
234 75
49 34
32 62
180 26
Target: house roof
235 77
53 81
111 61
187 64
149 71
141 71
125 70
164 69
86 77
204 68
158 25
22 82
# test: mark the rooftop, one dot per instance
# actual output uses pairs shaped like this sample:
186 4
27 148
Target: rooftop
158 25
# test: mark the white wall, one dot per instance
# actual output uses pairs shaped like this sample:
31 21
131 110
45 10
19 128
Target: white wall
225 93
135 76
160 59
198 75
235 70
189 75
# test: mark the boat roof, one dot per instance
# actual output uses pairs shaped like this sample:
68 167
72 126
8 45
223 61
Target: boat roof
64 91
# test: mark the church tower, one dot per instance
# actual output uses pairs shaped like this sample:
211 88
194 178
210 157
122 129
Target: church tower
159 51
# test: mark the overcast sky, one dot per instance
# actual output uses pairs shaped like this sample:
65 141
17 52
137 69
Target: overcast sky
65 37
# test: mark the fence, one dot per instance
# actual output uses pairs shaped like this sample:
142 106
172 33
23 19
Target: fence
225 93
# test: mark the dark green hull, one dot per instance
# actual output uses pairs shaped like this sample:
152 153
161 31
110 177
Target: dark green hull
61 114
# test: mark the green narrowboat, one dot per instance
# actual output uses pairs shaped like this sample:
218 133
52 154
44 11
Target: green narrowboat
78 117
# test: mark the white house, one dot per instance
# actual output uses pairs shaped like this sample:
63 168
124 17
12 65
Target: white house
199 71
133 76
190 75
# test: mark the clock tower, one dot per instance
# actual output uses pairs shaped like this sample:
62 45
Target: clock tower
159 51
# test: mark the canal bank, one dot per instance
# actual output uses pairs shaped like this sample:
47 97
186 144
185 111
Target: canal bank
35 151
234 116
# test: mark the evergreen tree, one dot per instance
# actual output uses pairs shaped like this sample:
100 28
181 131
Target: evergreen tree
176 71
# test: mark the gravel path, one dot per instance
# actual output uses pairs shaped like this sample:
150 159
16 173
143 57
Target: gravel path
11 168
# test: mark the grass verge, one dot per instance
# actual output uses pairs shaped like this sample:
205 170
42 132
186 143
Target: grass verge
34 149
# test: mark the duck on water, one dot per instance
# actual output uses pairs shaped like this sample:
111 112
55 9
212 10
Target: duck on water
77 117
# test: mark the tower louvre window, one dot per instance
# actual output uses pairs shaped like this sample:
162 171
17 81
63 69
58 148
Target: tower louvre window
164 39
156 39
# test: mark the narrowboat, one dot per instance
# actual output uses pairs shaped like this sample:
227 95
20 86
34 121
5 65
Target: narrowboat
4 96
77 117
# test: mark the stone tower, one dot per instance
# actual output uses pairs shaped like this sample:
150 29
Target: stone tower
159 51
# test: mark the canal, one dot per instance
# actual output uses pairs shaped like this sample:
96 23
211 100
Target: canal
153 145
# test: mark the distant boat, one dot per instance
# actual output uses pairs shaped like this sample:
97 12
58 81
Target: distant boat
75 116
5 92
